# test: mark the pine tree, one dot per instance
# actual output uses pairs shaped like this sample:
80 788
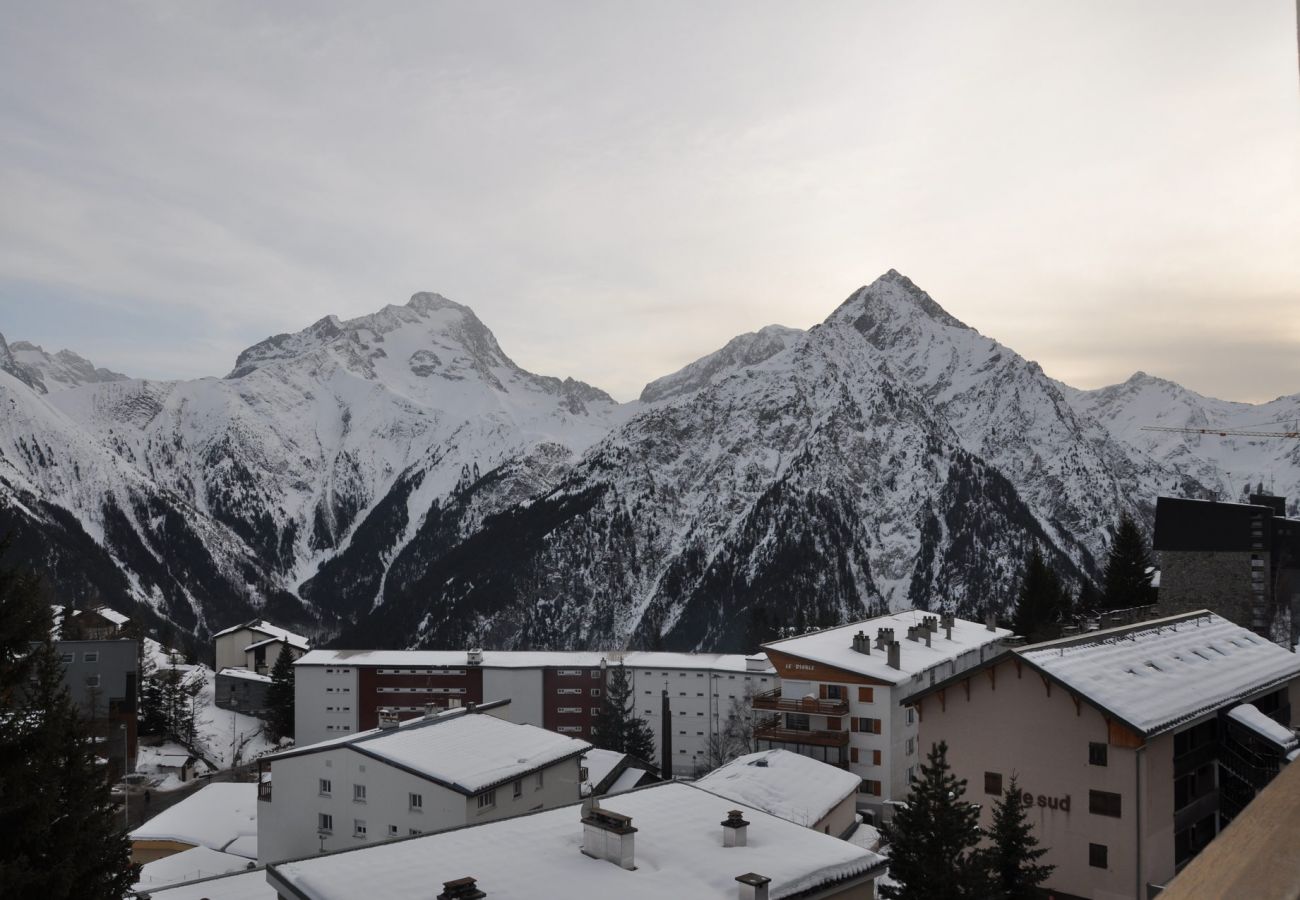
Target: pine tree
1127 579
1042 599
932 839
279 696
617 726
1012 858
61 836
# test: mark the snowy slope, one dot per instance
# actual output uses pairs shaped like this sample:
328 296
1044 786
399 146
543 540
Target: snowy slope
1232 466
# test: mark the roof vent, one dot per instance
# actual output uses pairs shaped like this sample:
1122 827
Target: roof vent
753 886
387 717
461 889
756 663
474 656
991 620
734 829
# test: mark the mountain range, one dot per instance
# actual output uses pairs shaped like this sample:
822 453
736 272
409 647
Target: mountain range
397 480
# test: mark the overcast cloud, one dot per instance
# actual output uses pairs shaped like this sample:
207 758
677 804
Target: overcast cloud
617 189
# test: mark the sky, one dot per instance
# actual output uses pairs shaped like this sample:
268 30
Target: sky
619 188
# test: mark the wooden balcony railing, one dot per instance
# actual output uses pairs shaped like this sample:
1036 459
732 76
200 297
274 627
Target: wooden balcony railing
772 700
771 730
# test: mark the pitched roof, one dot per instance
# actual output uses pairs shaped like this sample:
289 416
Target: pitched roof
785 784
463 749
271 631
679 853
834 646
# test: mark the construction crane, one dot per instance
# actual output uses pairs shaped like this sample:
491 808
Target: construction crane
1224 432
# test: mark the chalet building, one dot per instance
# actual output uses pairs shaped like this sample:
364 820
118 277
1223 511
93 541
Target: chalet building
840 694
98 624
793 787
1132 746
256 646
440 771
341 691
243 691
1240 560
666 840
102 678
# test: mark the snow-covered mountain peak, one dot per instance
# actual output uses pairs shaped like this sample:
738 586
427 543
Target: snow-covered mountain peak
61 370
740 352
893 297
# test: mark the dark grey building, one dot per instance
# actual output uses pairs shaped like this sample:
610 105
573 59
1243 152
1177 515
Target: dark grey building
102 677
1241 560
243 691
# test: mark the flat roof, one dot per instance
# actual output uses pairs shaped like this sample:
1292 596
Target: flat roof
1256 856
678 853
536 659
188 865
215 816
463 749
793 787
243 886
834 646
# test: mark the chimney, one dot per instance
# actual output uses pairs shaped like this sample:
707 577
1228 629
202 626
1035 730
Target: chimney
431 710
928 632
911 632
991 620
387 717
756 663
862 643
883 637
895 655
461 889
609 835
734 829
474 656
753 886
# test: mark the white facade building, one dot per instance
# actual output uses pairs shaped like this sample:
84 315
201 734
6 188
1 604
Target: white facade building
439 771
255 646
842 689
340 691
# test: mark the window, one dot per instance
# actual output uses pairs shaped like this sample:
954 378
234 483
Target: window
1104 803
487 799
569 709
68 657
413 831
796 722
359 793
993 783
595 673
392 831
569 672
324 787
911 716
595 692
910 746
911 774
92 681
519 787
416 802
325 823
875 757
869 787
92 656
359 828
595 710
569 691
834 692
865 726
1097 856
866 695
853 754
1097 755
539 779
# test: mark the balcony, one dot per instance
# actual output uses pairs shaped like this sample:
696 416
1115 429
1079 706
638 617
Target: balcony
771 730
773 701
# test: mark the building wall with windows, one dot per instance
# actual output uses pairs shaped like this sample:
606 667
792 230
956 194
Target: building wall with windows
101 677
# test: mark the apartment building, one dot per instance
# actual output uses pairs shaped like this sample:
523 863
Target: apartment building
255 646
101 677
341 691
839 699
439 771
1240 560
666 840
1132 746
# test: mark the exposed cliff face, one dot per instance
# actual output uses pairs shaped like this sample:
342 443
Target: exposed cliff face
399 479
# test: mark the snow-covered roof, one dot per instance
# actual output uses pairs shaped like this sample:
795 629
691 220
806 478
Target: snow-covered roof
599 763
678 853
112 615
1158 674
188 865
785 784
531 659
244 886
232 672
1249 716
275 640
626 780
271 631
213 817
834 646
463 749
